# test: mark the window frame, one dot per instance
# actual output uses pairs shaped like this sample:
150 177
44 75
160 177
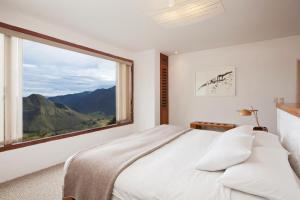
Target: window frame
49 40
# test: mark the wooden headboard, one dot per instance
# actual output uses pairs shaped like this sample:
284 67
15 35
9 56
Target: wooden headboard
288 127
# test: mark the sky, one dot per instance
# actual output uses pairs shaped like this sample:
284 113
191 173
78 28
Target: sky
52 71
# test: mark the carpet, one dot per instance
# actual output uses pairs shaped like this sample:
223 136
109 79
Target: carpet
42 185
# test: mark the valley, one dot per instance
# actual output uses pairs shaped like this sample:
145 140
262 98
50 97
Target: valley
49 116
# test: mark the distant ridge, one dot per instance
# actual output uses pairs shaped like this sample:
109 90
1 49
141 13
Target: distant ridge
100 100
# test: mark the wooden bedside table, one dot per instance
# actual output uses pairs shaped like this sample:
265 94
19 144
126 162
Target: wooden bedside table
221 127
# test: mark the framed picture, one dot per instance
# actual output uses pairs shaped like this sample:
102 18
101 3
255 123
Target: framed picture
216 82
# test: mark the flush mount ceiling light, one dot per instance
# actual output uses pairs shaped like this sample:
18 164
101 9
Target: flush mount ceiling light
183 12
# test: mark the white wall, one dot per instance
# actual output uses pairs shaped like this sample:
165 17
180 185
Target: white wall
264 70
19 162
15 163
157 88
147 102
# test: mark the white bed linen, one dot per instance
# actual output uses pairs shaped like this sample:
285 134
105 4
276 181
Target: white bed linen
170 173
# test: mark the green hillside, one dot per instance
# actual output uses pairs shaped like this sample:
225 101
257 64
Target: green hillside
43 117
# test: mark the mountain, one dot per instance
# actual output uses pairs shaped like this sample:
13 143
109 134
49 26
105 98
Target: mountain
98 101
42 116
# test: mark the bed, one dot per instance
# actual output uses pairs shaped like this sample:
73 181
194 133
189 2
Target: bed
170 172
172 168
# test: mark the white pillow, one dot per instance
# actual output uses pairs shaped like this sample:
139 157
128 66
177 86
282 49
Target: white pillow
266 173
244 129
266 140
229 149
261 138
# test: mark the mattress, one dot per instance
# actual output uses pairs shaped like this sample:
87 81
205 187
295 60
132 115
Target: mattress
169 173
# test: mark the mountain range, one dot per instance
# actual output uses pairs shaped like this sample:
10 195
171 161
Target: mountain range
44 116
100 100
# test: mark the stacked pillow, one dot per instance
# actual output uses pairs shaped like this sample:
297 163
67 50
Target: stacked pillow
263 139
229 149
255 163
266 173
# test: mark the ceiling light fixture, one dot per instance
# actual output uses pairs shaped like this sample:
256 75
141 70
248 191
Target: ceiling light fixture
183 12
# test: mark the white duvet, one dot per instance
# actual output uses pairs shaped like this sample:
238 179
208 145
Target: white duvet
169 174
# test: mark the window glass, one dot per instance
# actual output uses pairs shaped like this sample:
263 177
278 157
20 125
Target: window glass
65 91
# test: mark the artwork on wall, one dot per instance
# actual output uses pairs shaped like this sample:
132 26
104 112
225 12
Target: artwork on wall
216 82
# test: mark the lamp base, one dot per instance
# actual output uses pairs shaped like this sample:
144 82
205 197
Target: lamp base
260 128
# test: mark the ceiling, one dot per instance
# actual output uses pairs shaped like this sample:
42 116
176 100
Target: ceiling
128 23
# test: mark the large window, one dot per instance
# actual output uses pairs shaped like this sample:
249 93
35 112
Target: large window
65 91
52 89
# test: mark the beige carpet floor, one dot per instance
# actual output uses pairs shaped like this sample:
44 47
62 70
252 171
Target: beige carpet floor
42 185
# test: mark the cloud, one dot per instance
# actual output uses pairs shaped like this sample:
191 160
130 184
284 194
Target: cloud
52 71
29 66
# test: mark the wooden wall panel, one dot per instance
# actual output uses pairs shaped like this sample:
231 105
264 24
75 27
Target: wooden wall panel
298 82
164 89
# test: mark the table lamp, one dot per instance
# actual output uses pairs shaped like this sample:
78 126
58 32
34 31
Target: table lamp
249 112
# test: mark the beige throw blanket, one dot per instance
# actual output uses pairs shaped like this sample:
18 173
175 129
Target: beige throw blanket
91 174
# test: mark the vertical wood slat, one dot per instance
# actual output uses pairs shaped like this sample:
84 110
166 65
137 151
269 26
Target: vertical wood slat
164 89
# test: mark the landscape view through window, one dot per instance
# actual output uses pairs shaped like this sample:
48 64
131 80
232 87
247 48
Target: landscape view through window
65 91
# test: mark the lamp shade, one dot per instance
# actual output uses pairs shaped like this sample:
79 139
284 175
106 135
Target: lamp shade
245 112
